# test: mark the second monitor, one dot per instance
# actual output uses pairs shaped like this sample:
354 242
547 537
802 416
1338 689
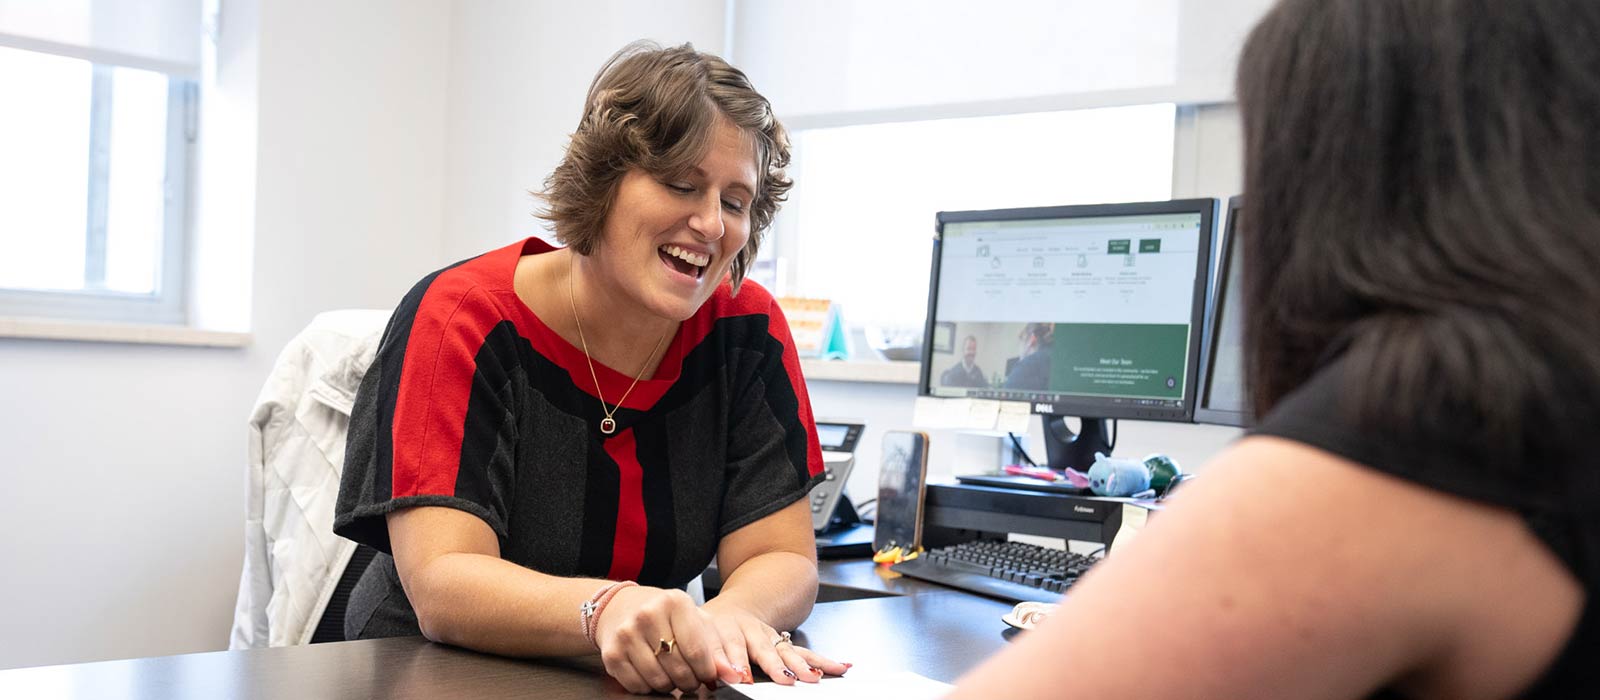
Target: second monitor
1092 311
1224 398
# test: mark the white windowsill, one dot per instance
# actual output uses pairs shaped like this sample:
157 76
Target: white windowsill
860 371
107 332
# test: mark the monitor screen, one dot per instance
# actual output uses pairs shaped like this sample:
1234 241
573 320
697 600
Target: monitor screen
1223 399
1090 311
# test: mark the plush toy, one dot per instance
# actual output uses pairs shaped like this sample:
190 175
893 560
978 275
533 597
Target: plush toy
1117 477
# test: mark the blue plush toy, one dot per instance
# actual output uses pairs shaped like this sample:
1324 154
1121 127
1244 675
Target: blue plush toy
1117 477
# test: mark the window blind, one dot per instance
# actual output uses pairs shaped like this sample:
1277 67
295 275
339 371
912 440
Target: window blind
159 35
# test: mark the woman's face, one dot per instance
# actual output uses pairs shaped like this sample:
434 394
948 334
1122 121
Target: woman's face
668 242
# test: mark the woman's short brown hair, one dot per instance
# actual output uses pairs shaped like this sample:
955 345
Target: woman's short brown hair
656 109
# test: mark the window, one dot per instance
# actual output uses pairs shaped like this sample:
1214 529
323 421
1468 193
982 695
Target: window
858 227
93 189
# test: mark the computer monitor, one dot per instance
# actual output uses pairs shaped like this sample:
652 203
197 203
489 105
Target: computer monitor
1223 399
1092 311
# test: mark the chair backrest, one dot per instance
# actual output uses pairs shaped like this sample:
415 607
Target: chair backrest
297 439
331 627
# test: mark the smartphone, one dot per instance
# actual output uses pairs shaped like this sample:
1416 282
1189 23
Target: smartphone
900 487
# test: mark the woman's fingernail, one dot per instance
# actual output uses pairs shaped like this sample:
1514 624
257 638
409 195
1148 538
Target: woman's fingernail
748 678
789 673
815 670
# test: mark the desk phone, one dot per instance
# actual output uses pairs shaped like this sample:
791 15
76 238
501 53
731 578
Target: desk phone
838 442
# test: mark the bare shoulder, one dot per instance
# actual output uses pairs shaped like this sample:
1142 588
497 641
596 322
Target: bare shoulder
1285 571
1470 602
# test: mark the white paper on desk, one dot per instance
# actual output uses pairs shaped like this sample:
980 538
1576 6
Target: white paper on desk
901 685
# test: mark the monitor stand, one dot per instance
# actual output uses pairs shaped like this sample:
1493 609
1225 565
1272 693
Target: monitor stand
1065 449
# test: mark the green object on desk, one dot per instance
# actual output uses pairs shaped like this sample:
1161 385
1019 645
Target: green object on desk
1162 471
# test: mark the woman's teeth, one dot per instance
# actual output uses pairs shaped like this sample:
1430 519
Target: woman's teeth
693 258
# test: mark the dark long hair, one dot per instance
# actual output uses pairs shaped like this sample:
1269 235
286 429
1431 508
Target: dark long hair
1422 182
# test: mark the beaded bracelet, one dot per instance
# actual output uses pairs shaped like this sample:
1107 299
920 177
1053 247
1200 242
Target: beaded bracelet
589 612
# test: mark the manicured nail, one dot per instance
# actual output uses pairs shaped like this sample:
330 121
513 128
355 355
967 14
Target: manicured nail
748 678
815 670
789 673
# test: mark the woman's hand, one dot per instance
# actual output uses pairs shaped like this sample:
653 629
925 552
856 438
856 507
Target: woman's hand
746 640
653 639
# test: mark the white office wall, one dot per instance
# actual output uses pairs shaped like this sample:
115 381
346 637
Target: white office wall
125 464
519 72
1208 158
349 198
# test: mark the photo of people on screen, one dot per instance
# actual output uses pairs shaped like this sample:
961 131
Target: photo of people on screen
966 372
1031 368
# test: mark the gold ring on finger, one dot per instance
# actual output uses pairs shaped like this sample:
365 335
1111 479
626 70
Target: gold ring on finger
666 646
783 638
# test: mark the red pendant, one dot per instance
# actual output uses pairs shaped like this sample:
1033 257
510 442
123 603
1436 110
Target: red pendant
608 426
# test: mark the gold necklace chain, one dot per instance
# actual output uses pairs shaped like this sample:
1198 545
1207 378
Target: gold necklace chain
608 425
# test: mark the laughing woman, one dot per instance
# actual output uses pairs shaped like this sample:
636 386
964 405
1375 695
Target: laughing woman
552 442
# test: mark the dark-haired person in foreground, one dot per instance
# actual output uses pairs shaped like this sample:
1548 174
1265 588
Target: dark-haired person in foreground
1418 512
552 442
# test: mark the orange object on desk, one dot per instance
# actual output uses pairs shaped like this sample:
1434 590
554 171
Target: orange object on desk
894 555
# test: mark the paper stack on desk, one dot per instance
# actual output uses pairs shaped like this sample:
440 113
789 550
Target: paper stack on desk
866 685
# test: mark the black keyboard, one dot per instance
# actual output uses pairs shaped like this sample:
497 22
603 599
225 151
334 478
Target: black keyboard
1010 571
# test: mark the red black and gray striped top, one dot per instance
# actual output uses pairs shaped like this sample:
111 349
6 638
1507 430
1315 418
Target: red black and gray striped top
474 403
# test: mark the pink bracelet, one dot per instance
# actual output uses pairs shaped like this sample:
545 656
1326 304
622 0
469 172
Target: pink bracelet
589 612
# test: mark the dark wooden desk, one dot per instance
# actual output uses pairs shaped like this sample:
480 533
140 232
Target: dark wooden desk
911 625
851 579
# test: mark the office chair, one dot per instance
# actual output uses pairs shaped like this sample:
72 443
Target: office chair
331 627
297 574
